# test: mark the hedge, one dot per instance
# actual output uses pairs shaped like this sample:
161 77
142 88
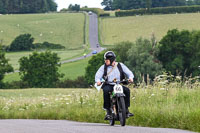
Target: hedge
98 11
159 10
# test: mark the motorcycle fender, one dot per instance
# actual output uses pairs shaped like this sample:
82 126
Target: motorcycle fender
120 95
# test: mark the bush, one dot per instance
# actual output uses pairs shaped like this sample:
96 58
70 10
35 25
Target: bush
40 69
79 82
22 42
47 45
16 85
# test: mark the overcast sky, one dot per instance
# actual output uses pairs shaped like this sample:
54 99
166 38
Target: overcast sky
89 3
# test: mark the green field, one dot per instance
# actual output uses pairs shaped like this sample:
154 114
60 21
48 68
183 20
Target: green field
71 70
174 105
117 29
66 29
63 54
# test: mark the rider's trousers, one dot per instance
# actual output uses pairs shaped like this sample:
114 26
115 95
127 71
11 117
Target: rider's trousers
106 96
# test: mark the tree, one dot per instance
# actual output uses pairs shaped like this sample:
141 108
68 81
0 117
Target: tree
40 69
22 42
93 65
121 49
27 6
142 60
179 52
107 4
75 7
4 66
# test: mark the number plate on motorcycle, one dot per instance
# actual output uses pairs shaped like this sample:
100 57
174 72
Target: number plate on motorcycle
118 89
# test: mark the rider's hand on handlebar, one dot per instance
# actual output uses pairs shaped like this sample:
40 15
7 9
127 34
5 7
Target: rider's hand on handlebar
99 83
130 80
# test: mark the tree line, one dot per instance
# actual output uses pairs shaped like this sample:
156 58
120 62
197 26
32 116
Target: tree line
136 4
177 53
27 6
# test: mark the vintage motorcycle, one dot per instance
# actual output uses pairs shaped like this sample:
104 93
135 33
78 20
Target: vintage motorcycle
117 103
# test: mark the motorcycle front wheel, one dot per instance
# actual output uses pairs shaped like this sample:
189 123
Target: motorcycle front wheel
121 111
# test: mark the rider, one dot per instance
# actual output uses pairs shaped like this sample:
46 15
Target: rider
109 72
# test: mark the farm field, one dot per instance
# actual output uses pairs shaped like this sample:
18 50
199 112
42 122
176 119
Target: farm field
66 29
63 54
117 29
71 70
153 106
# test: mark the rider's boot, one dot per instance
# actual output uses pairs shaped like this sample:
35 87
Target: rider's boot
108 114
128 114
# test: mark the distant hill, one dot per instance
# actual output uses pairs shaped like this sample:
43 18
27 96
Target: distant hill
27 6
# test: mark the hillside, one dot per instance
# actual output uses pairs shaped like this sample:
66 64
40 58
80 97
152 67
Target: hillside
66 29
118 29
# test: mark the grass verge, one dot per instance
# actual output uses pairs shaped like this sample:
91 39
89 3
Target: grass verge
171 106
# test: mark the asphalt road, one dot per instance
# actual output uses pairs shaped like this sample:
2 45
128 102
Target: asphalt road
63 126
93 38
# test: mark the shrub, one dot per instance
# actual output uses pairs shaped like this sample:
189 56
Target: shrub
47 45
79 82
40 69
22 42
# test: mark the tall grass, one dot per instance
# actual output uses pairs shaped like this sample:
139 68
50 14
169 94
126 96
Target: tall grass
114 29
167 105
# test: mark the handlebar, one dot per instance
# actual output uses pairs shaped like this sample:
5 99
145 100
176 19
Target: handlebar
117 82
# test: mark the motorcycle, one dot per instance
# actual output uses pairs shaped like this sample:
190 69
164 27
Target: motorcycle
118 108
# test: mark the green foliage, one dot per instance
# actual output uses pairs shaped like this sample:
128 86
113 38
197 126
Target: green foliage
121 50
98 11
179 52
27 6
40 69
142 61
140 57
79 82
93 65
137 4
158 10
75 7
4 66
22 43
47 45
171 106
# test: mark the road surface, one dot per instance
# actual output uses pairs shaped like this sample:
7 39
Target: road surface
93 38
63 126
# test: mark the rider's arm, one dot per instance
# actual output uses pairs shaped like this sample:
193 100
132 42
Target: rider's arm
128 73
99 74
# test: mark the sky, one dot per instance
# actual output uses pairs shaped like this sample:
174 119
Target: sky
89 3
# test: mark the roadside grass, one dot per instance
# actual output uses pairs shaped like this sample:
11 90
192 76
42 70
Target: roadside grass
117 29
71 70
59 28
174 105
